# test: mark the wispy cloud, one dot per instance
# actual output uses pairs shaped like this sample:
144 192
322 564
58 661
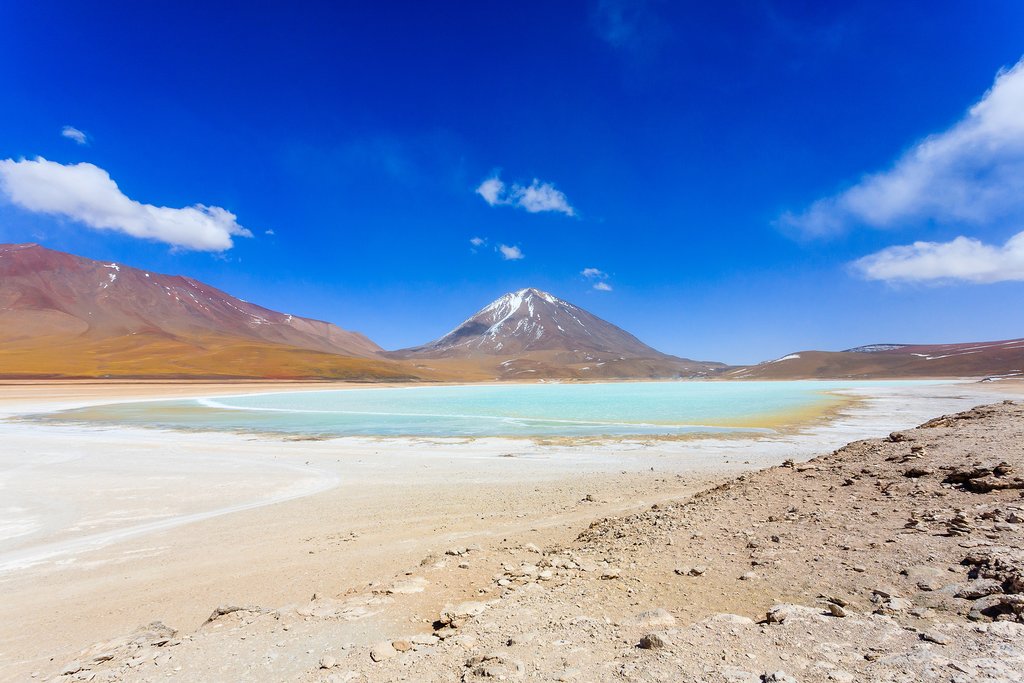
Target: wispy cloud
72 133
536 197
971 173
493 191
86 193
630 25
598 277
510 253
963 259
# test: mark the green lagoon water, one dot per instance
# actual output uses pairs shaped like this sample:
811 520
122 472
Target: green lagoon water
526 410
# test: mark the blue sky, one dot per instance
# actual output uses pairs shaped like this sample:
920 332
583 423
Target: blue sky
748 179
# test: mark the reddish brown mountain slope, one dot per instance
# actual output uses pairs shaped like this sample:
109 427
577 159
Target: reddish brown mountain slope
530 333
977 359
64 315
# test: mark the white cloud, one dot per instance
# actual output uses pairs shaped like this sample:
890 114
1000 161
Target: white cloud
536 197
598 277
539 197
510 253
86 193
492 190
268 232
73 133
478 241
962 259
972 173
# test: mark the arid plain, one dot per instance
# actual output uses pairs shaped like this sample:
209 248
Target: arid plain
114 528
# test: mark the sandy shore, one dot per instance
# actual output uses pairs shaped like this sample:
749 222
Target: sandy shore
106 529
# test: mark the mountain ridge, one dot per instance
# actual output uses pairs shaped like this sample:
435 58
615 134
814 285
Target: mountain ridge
533 332
63 315
995 359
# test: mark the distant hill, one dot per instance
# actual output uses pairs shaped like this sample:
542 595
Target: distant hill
531 333
977 359
67 316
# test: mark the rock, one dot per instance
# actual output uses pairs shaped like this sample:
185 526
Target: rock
982 479
836 610
457 615
1003 607
917 472
456 551
425 639
979 589
936 637
493 666
653 618
682 571
749 576
224 610
72 668
734 674
780 613
699 570
382 651
894 606
328 662
401 645
778 677
960 525
737 619
653 641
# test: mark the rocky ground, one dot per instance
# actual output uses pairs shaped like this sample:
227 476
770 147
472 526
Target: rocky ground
888 560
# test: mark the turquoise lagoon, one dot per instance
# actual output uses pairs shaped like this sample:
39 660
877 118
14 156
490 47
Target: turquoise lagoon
510 410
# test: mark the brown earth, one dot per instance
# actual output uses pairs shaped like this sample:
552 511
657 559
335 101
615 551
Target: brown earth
891 559
974 359
66 316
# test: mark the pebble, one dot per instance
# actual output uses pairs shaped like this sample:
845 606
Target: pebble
653 641
328 662
382 651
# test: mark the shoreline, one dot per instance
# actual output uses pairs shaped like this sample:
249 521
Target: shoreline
831 403
381 515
